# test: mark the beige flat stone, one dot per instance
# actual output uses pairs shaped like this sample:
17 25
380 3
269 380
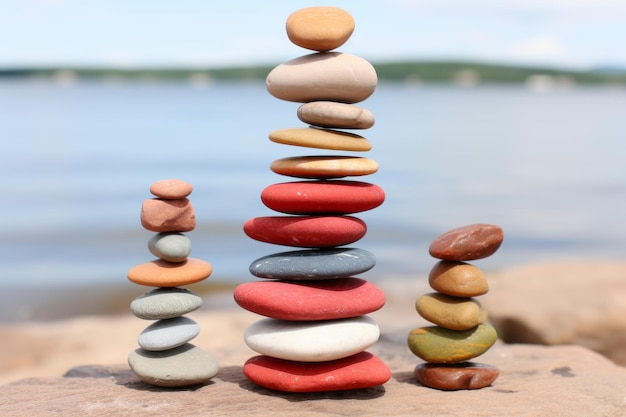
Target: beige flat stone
335 115
321 138
324 166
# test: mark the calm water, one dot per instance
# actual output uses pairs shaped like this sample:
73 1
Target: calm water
76 164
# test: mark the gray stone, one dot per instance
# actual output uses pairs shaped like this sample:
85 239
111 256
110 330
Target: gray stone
168 334
165 303
183 366
313 264
171 247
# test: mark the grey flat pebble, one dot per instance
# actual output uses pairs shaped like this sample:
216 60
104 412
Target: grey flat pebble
171 247
313 264
165 303
168 334
183 366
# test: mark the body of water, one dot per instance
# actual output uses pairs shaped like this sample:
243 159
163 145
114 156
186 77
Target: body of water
77 161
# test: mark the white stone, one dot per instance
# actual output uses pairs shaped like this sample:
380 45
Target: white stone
168 333
315 341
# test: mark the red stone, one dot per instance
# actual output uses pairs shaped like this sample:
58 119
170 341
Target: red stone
310 300
158 215
467 243
306 231
322 197
466 375
362 370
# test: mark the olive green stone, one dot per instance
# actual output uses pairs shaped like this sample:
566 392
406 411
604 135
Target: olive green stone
436 344
455 313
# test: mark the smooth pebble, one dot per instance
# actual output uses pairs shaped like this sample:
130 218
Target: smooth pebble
467 243
165 303
458 279
324 166
171 247
171 189
439 345
319 28
168 333
335 115
455 313
161 273
313 137
458 376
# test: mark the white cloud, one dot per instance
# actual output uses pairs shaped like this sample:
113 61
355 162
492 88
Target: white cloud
540 47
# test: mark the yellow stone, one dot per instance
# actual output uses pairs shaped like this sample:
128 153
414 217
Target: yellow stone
321 138
320 28
324 166
455 313
458 279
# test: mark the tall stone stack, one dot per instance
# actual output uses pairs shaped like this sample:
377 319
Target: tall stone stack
316 333
460 332
165 356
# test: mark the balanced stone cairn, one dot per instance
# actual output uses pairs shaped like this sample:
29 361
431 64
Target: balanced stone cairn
165 358
460 333
316 333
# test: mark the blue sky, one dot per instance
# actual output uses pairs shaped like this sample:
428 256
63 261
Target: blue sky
135 33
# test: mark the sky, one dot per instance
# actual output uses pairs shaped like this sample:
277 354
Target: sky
577 34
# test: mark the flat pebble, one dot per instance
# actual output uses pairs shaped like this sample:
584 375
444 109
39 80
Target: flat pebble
335 115
312 137
161 273
171 247
158 215
439 345
467 243
310 300
165 303
315 341
458 279
455 313
182 366
168 333
172 189
458 376
322 197
323 76
313 264
319 28
306 231
324 167
362 370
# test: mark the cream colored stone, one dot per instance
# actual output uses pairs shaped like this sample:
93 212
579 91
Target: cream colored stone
324 166
335 115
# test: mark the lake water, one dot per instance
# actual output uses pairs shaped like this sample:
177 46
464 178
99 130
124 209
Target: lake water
77 161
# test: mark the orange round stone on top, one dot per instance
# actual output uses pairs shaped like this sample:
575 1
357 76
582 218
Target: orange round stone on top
320 28
159 273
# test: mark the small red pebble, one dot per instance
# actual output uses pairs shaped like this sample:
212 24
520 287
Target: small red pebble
322 197
467 243
306 231
362 370
171 189
310 300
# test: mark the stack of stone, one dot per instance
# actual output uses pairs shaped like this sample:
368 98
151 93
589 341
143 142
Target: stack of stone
317 331
460 333
165 357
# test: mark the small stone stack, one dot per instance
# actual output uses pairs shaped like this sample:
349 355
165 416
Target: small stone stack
460 333
165 358
317 330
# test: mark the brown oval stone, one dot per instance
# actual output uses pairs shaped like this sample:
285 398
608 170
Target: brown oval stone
160 273
454 313
311 137
467 243
335 115
452 377
172 189
159 215
458 279
319 28
324 167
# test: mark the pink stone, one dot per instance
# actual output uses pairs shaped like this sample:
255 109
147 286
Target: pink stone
306 231
172 189
362 370
467 243
322 197
158 215
310 300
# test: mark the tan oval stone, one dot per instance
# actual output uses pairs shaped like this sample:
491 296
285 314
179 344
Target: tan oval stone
335 115
454 313
311 137
320 28
160 273
458 279
171 189
159 215
324 167
323 76
467 243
